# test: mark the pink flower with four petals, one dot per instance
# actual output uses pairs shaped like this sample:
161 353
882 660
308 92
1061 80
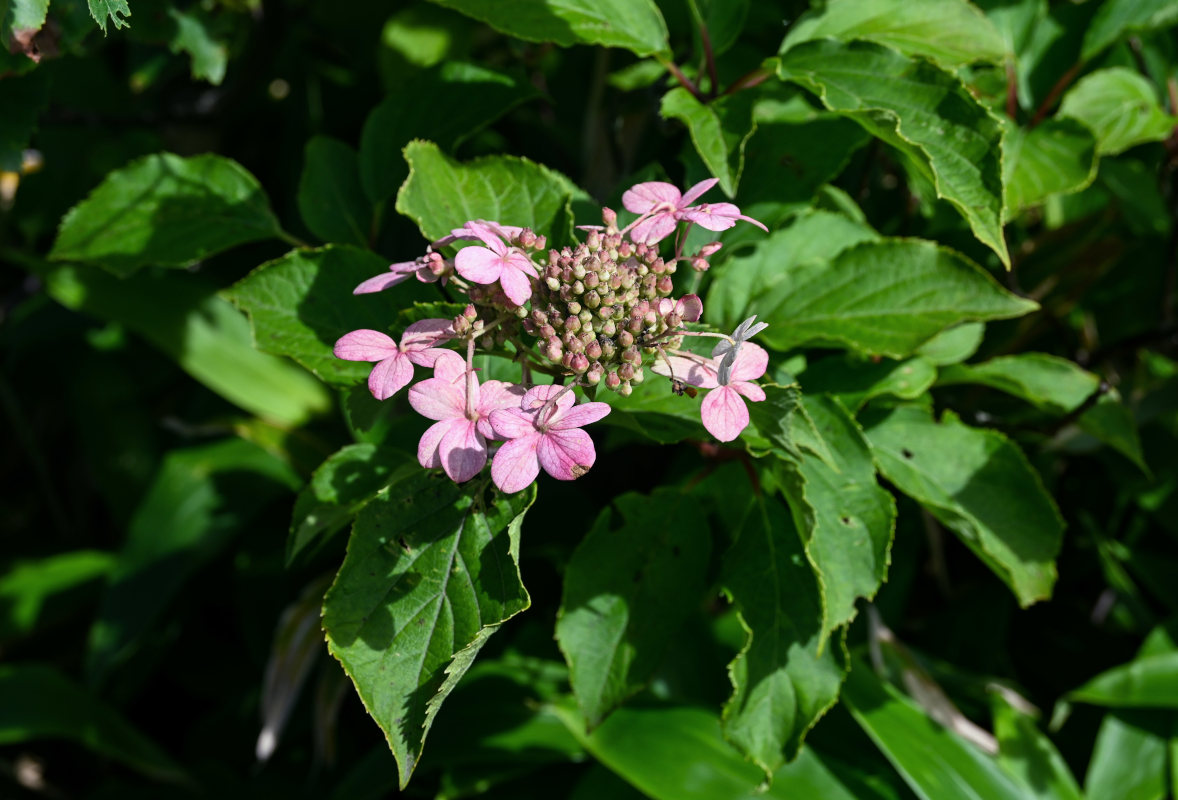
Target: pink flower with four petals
662 206
394 367
723 411
497 262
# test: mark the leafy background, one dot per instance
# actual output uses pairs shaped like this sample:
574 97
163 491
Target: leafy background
939 564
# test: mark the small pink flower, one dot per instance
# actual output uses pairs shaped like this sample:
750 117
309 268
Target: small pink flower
427 268
723 411
717 216
662 205
689 307
497 262
554 440
394 368
479 229
458 441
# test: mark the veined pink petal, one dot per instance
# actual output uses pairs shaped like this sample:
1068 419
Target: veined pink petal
724 413
516 465
579 416
463 451
381 282
483 231
645 196
520 261
537 396
437 398
499 394
689 307
655 228
389 376
515 284
449 366
691 194
427 448
566 455
428 357
478 264
751 362
365 345
750 391
512 423
427 333
717 216
692 371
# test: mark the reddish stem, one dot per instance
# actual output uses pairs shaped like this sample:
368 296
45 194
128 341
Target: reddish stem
1053 95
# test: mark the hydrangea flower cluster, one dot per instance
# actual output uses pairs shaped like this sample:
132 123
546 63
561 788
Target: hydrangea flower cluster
591 315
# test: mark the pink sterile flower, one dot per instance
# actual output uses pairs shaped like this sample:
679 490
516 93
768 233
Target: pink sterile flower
551 438
723 411
497 262
427 268
689 307
662 206
717 216
458 441
394 367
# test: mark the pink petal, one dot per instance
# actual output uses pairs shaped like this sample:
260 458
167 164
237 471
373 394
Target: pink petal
717 216
478 264
646 196
511 423
449 366
508 232
437 398
750 391
515 285
499 394
579 416
691 371
566 455
463 451
695 191
521 262
654 229
751 362
427 448
724 413
428 357
516 465
537 396
381 282
427 333
365 345
389 376
690 308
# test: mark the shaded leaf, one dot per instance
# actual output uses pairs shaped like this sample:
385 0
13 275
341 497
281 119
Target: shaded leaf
1057 157
1120 106
1048 382
24 98
1129 758
1118 18
331 199
1029 756
719 130
953 345
33 592
1147 682
854 381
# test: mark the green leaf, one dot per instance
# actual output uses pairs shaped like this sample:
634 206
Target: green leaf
1129 758
180 314
719 130
1048 382
887 298
300 304
431 572
952 32
635 25
1029 756
655 412
724 20
441 194
773 419
783 679
924 112
854 380
331 199
845 518
1146 682
1121 107
1118 18
979 485
473 96
343 484
739 285
1057 157
209 55
202 496
115 11
628 588
33 592
37 702
166 210
936 764
953 345
1109 421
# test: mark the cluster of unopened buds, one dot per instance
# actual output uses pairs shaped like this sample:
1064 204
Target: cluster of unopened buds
595 314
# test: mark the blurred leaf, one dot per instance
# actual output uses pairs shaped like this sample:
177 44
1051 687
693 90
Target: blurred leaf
331 199
1015 21
787 675
32 592
202 497
723 19
343 484
1109 421
208 338
1057 157
737 288
845 518
431 572
855 380
655 412
635 25
1120 106
952 32
719 130
1129 759
21 15
953 345
38 702
936 764
1053 384
24 98
473 96
1117 18
927 114
1028 755
114 11
166 210
979 485
193 35
441 194
627 590
1135 188
885 298
1147 682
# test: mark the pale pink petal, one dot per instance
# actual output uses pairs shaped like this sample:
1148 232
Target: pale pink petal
381 282
689 370
690 308
750 391
426 333
666 306
389 376
365 345
499 394
516 465
515 284
478 264
539 395
646 196
654 229
449 366
521 262
437 398
482 231
429 356
427 449
724 413
463 451
508 232
717 216
691 194
751 362
581 415
566 455
512 423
